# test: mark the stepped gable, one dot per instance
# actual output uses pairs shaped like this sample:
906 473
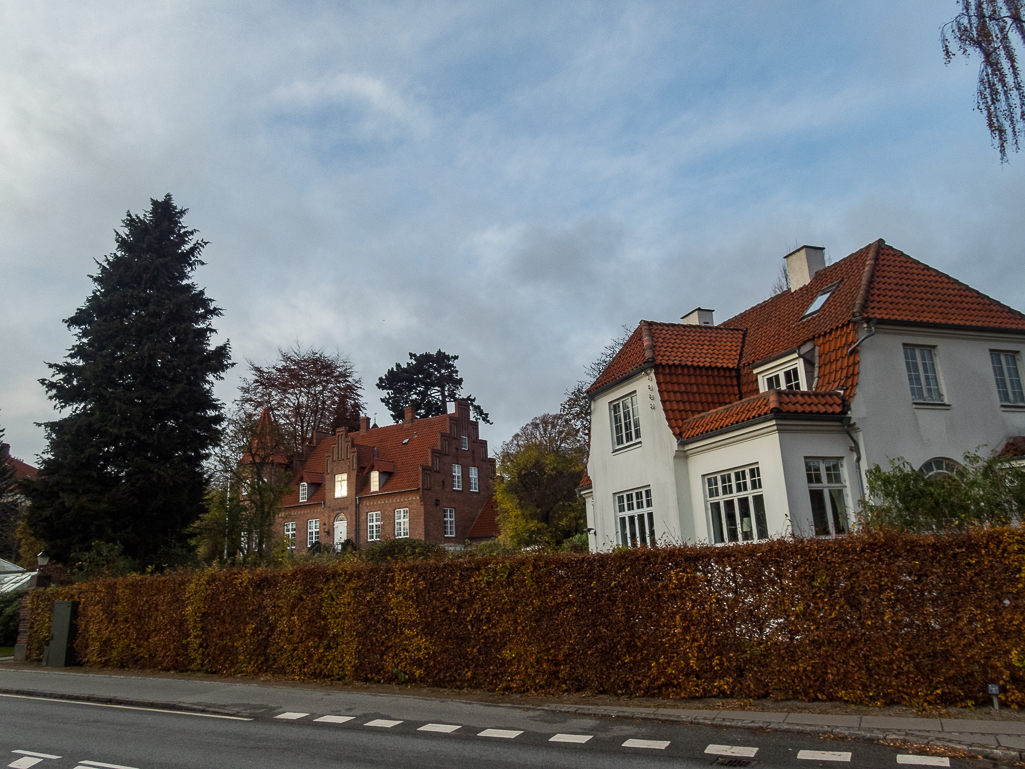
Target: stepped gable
263 443
406 446
486 524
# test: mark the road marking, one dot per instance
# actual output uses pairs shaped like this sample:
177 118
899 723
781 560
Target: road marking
731 750
25 762
334 719
291 716
653 744
505 734
444 728
905 758
126 707
578 738
384 723
34 754
105 766
823 755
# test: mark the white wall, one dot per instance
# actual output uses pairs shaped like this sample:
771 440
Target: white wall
893 426
649 463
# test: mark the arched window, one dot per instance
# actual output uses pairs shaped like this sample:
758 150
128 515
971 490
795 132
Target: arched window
940 466
304 491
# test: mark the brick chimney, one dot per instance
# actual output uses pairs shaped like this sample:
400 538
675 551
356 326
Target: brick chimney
803 263
699 316
409 416
364 424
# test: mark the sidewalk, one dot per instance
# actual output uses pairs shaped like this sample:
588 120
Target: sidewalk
999 736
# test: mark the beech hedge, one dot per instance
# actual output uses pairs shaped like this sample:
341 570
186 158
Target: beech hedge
871 618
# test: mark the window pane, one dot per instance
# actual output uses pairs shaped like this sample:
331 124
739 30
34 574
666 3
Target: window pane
998 373
629 502
740 477
632 523
818 512
642 530
623 538
651 529
621 503
636 418
730 507
772 382
756 478
713 486
647 498
930 381
760 521
839 511
716 510
813 471
617 424
914 375
746 527
832 467
727 483
791 380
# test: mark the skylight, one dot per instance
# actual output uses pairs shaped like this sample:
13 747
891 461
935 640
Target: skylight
820 300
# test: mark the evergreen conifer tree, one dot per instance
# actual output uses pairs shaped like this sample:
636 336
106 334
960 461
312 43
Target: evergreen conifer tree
125 463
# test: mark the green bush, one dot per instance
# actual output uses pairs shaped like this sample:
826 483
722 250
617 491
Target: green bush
10 610
402 550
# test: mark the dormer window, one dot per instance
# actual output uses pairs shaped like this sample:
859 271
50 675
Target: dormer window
789 372
304 491
820 300
788 379
375 480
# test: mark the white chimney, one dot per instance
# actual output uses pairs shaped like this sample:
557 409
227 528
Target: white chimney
699 316
803 263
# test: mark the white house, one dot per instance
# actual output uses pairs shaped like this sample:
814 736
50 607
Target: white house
766 424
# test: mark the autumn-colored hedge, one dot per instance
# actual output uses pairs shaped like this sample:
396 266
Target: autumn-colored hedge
870 618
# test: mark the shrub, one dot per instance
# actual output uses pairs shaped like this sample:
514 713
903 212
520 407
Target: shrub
10 611
401 550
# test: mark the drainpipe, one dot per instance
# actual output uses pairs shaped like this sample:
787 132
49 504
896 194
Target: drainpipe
857 453
871 326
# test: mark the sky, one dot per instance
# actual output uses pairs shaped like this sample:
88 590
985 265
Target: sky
511 182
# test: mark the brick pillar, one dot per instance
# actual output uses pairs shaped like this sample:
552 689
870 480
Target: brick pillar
21 644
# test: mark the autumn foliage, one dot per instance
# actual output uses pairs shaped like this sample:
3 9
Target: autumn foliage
871 618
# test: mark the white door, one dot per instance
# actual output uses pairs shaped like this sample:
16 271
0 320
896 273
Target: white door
341 533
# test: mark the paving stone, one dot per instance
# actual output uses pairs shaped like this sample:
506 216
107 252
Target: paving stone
1011 741
914 724
970 739
815 719
983 727
750 715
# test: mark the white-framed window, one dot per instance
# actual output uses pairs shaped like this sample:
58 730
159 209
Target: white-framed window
312 532
290 534
402 523
457 477
923 375
304 491
636 518
736 505
787 379
1007 373
466 443
828 496
940 466
787 373
625 419
373 527
341 485
474 481
450 521
375 480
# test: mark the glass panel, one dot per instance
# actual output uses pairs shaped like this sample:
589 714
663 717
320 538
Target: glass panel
791 380
756 478
839 511
632 522
740 477
746 529
647 498
651 529
998 373
929 378
623 539
760 521
629 502
727 483
914 376
621 503
643 530
636 418
731 519
813 471
617 423
832 467
772 382
818 512
716 510
713 486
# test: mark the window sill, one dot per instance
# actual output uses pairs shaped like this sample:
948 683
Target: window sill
628 447
1012 407
935 405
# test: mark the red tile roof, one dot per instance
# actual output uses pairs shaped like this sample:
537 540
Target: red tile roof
585 482
22 470
1015 447
700 369
486 525
770 402
405 447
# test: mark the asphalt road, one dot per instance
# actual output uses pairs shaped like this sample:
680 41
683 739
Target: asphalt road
63 735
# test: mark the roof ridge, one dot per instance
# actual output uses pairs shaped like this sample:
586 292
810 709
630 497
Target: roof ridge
866 278
649 343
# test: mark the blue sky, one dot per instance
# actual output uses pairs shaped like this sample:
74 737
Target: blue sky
510 182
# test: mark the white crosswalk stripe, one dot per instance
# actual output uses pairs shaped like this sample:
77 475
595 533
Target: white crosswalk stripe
653 744
506 734
291 716
577 738
25 762
905 758
823 755
384 723
731 750
443 728
334 719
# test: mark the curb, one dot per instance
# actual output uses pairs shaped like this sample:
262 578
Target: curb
124 701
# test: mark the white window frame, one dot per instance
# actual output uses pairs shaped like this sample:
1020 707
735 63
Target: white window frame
735 504
341 485
457 477
402 523
625 421
787 373
635 517
449 517
466 443
474 479
375 480
312 532
1007 375
923 382
304 491
290 534
374 526
826 482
